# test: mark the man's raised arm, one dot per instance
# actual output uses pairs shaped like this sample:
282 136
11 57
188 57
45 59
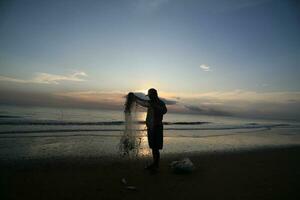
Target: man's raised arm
142 102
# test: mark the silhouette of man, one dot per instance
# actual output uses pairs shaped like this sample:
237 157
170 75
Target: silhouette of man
156 108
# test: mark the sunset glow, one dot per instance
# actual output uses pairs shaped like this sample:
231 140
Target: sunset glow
233 58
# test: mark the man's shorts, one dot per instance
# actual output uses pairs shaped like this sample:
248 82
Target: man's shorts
155 137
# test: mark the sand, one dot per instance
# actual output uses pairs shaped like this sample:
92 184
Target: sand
253 174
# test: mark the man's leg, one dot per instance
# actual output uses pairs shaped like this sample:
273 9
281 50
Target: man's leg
156 157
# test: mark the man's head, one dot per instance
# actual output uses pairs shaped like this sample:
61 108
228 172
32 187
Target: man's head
152 94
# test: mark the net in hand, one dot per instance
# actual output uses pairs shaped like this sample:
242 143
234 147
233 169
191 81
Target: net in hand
130 141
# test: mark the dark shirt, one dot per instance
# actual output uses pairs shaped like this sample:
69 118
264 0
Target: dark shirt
156 110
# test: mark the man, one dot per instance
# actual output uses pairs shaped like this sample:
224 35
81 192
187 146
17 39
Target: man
155 112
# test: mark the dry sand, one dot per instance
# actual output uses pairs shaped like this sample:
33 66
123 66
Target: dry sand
255 174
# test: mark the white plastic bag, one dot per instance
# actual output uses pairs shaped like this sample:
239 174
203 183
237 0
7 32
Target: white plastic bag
182 166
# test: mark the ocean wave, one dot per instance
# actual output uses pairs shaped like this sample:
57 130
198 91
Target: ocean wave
9 116
112 135
74 123
217 128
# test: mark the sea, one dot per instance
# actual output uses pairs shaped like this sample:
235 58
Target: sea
41 132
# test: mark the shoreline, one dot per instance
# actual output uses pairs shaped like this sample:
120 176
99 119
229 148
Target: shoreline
269 173
92 159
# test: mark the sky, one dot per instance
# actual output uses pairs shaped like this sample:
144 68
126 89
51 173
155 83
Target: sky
215 57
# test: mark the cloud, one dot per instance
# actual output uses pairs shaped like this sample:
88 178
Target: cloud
272 105
207 111
113 97
269 105
55 79
46 78
113 100
169 101
86 99
205 67
9 79
244 96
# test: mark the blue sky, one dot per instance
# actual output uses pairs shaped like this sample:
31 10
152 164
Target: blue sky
186 49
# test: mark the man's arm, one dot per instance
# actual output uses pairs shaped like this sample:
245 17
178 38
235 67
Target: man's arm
142 102
161 107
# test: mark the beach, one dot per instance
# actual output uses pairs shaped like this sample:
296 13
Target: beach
253 174
43 156
102 100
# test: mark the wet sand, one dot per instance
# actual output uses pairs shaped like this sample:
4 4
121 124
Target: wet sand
253 174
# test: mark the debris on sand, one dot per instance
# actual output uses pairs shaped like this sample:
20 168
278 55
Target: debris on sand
131 188
182 166
128 187
123 181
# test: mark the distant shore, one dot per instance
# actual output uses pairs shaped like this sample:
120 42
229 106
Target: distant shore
253 174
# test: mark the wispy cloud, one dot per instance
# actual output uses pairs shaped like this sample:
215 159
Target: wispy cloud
9 79
205 67
46 78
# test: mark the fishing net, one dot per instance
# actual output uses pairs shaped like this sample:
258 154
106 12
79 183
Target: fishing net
130 141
